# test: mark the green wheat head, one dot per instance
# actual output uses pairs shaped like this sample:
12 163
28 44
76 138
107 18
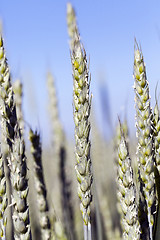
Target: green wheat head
16 159
145 133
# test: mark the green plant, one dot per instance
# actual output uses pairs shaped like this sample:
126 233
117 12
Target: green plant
138 187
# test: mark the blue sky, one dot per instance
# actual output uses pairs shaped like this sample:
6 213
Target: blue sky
36 39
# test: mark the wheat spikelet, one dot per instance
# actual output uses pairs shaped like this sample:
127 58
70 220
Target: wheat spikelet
18 93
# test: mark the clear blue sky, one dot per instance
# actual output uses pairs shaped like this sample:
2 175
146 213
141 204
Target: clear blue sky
36 39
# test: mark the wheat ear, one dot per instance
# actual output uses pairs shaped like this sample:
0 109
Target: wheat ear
16 158
82 105
117 140
127 193
40 186
157 136
59 142
145 133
